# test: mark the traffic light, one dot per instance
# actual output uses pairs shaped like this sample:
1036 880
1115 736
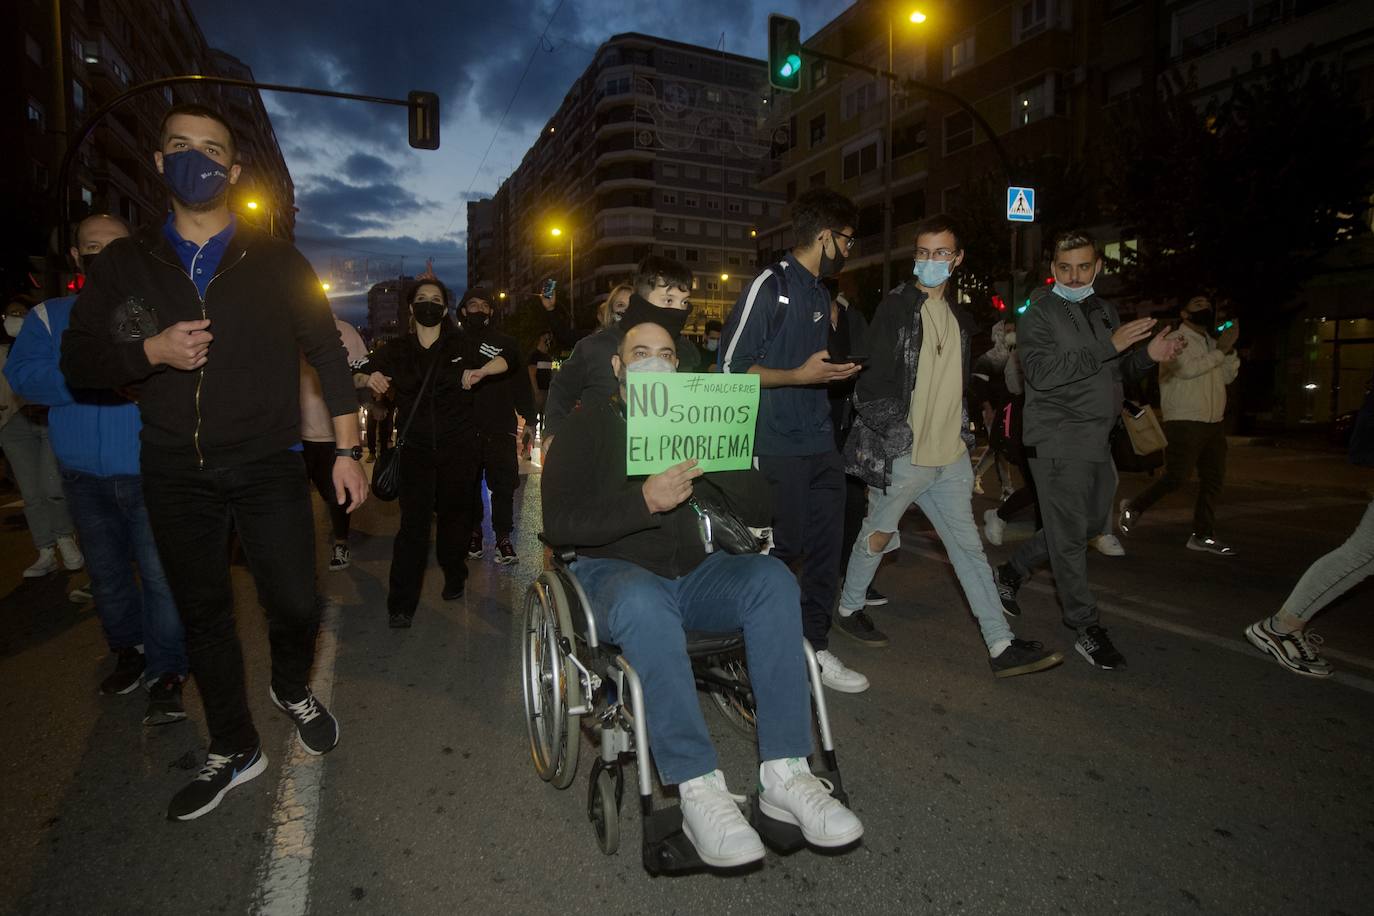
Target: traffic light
784 53
424 119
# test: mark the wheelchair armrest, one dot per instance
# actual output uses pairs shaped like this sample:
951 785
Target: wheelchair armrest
562 554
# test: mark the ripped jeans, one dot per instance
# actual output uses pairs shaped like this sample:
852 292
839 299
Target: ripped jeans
942 493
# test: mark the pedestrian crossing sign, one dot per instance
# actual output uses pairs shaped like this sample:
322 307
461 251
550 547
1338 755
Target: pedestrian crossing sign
1021 205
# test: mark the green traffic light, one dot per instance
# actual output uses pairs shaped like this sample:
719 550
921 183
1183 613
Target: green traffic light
791 66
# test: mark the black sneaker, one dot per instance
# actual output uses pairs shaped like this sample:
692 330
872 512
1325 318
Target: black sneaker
220 774
859 626
128 673
316 728
1126 517
505 552
874 598
164 701
399 621
339 558
1024 657
452 590
1094 645
1008 584
475 546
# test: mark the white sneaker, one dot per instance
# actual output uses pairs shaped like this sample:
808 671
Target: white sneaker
836 676
1108 545
71 554
712 820
46 563
790 793
993 527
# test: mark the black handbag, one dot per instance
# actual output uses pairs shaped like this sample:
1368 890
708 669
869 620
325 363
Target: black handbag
386 475
720 526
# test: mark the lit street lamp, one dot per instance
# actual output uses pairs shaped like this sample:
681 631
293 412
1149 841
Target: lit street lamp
557 231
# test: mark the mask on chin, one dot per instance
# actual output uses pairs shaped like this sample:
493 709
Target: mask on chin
642 311
428 314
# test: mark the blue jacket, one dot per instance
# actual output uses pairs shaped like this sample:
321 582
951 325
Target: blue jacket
92 432
779 322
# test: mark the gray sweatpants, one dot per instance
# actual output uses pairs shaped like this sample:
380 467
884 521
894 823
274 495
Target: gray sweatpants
1075 497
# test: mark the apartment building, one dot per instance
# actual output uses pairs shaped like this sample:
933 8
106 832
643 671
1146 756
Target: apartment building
657 147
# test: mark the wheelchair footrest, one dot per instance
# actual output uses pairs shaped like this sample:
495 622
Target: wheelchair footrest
781 837
667 851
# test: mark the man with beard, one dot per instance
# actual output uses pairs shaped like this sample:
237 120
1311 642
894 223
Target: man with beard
496 401
779 330
208 319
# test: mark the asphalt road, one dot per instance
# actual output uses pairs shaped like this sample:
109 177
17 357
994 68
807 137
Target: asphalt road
1202 779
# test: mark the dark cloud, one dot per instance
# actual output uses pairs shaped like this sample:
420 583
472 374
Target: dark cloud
367 167
353 208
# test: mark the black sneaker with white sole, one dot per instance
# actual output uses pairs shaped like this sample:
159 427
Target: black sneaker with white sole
128 673
1024 657
1210 545
317 729
475 546
859 626
338 558
220 774
874 598
1008 584
1094 646
164 701
505 552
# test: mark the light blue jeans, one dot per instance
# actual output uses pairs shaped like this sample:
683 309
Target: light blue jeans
31 459
1335 573
944 495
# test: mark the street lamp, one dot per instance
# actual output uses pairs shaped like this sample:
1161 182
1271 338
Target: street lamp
251 205
557 231
916 17
324 286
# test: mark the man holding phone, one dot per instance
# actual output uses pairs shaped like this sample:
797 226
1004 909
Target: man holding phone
911 445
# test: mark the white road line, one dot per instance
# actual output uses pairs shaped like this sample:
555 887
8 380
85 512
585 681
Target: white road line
284 874
1239 644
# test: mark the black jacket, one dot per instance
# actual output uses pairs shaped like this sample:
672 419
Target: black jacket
849 337
265 307
882 396
590 505
499 397
445 414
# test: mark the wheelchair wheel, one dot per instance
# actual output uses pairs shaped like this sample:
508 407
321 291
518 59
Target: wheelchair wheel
551 683
605 812
735 703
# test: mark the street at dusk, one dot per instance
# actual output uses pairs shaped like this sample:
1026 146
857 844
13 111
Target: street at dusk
735 456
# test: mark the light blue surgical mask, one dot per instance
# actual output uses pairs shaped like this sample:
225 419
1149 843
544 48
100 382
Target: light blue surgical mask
651 364
931 273
1072 293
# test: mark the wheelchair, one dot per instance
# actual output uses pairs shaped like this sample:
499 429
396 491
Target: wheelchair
571 678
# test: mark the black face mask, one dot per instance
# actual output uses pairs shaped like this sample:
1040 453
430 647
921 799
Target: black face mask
642 311
474 321
1205 319
831 265
84 262
428 314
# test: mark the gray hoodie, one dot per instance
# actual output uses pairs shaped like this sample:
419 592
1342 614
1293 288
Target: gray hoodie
1073 376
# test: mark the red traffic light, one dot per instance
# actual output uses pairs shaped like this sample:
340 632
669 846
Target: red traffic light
999 304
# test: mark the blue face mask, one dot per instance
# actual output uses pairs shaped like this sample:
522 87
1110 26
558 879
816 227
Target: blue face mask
932 273
193 177
1072 293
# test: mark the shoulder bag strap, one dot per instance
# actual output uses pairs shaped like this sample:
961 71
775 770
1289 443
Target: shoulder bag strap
418 397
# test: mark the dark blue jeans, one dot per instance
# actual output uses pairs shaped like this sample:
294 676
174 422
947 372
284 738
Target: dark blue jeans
267 503
647 616
117 539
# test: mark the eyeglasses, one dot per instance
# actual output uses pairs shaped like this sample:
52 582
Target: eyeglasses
848 240
939 254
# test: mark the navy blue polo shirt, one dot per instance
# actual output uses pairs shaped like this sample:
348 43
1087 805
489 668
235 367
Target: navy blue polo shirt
200 261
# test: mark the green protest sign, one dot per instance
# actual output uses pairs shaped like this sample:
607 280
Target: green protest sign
676 416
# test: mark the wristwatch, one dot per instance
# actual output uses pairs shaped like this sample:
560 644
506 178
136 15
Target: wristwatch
356 452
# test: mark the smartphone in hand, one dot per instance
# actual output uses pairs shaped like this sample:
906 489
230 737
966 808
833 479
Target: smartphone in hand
844 360
550 285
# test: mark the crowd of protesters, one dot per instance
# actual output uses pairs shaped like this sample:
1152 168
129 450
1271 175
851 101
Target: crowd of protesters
199 380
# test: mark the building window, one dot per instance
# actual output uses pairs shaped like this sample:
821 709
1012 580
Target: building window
734 178
76 46
168 95
713 203
732 259
817 180
34 49
1029 104
692 171
959 57
35 114
668 226
617 85
713 230
78 97
692 227
858 100
817 130
691 255
1032 18
908 139
1121 82
958 131
819 74
40 175
670 254
733 232
734 206
87 196
713 96
1204 26
860 161
755 208
120 73
669 171
690 200
668 198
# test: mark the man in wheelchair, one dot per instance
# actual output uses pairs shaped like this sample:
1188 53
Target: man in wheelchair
648 578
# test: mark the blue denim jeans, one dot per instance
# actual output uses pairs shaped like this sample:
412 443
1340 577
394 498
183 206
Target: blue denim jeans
648 617
29 452
944 494
117 538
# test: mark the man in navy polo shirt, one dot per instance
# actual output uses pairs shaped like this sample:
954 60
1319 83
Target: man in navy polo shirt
779 330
